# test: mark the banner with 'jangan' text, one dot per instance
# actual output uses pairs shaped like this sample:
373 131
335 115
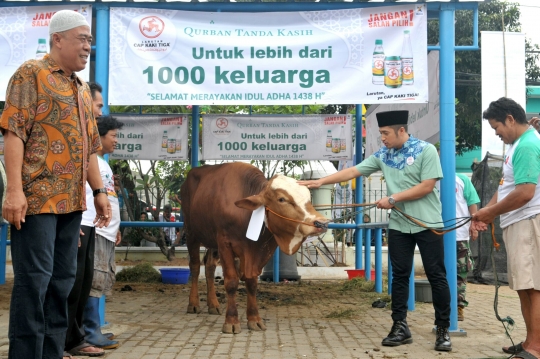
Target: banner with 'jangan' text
168 57
24 35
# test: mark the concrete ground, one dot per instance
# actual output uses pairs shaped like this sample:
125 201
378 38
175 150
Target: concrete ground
155 325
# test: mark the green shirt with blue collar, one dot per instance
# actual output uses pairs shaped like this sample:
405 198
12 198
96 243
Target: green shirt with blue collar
403 169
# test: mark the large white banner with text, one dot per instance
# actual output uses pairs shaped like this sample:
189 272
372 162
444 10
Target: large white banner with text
299 138
24 35
169 57
152 138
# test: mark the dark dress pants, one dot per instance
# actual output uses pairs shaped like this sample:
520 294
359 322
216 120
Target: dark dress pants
81 289
401 248
44 254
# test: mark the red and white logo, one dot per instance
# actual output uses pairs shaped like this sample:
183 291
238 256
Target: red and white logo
151 26
222 122
220 128
392 74
151 36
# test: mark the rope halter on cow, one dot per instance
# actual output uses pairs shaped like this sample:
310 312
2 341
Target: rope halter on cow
315 224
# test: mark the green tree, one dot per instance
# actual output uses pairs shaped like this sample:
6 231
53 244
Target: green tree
493 16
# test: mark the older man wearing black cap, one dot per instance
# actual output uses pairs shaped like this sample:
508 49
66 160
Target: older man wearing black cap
411 169
51 140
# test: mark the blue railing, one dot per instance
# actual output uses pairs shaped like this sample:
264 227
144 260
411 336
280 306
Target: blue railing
375 228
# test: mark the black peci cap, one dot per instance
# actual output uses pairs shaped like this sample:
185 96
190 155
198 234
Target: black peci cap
391 118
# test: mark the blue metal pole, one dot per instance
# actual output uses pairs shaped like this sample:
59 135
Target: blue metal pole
367 255
195 136
411 303
3 251
378 260
102 52
447 73
102 77
358 193
276 265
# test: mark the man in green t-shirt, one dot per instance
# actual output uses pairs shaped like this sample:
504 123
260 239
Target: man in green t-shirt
411 168
517 201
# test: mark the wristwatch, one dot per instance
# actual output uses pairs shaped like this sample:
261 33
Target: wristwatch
391 200
98 191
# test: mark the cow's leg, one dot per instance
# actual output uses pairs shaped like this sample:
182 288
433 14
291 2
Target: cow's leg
210 261
254 320
232 324
195 268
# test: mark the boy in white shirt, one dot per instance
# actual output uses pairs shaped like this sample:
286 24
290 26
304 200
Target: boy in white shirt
106 238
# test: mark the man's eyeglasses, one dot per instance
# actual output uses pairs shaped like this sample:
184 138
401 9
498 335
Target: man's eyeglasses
85 39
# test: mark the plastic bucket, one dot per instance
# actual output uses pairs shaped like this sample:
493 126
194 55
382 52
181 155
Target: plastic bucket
359 273
174 275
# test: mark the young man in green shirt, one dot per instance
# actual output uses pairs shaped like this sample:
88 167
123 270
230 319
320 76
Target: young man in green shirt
517 201
411 168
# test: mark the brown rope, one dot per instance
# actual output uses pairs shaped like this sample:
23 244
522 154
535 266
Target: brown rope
414 220
345 205
423 225
493 239
287 218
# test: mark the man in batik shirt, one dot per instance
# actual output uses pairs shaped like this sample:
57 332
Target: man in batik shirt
50 144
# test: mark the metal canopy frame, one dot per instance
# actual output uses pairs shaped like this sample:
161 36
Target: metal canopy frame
442 10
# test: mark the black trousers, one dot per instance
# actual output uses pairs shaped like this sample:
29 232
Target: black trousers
81 289
401 248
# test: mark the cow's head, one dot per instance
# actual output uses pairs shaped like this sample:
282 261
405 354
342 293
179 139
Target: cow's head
286 198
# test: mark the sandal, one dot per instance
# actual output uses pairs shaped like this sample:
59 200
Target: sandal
68 356
514 349
78 350
524 355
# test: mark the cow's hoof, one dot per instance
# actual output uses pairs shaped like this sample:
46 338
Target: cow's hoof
214 311
192 309
231 328
256 326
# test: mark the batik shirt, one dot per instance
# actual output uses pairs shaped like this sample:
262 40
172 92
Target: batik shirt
52 114
404 168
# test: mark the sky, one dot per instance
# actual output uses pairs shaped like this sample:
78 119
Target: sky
530 13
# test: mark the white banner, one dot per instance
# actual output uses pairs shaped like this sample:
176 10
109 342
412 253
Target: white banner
168 57
423 118
503 74
297 138
152 138
24 35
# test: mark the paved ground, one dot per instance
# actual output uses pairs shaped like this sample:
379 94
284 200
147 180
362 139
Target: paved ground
152 323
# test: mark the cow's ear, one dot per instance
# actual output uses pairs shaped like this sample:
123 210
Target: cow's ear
251 202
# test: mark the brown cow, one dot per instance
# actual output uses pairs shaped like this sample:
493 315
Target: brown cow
217 203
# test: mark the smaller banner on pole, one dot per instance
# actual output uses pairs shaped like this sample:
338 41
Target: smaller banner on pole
296 138
152 138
